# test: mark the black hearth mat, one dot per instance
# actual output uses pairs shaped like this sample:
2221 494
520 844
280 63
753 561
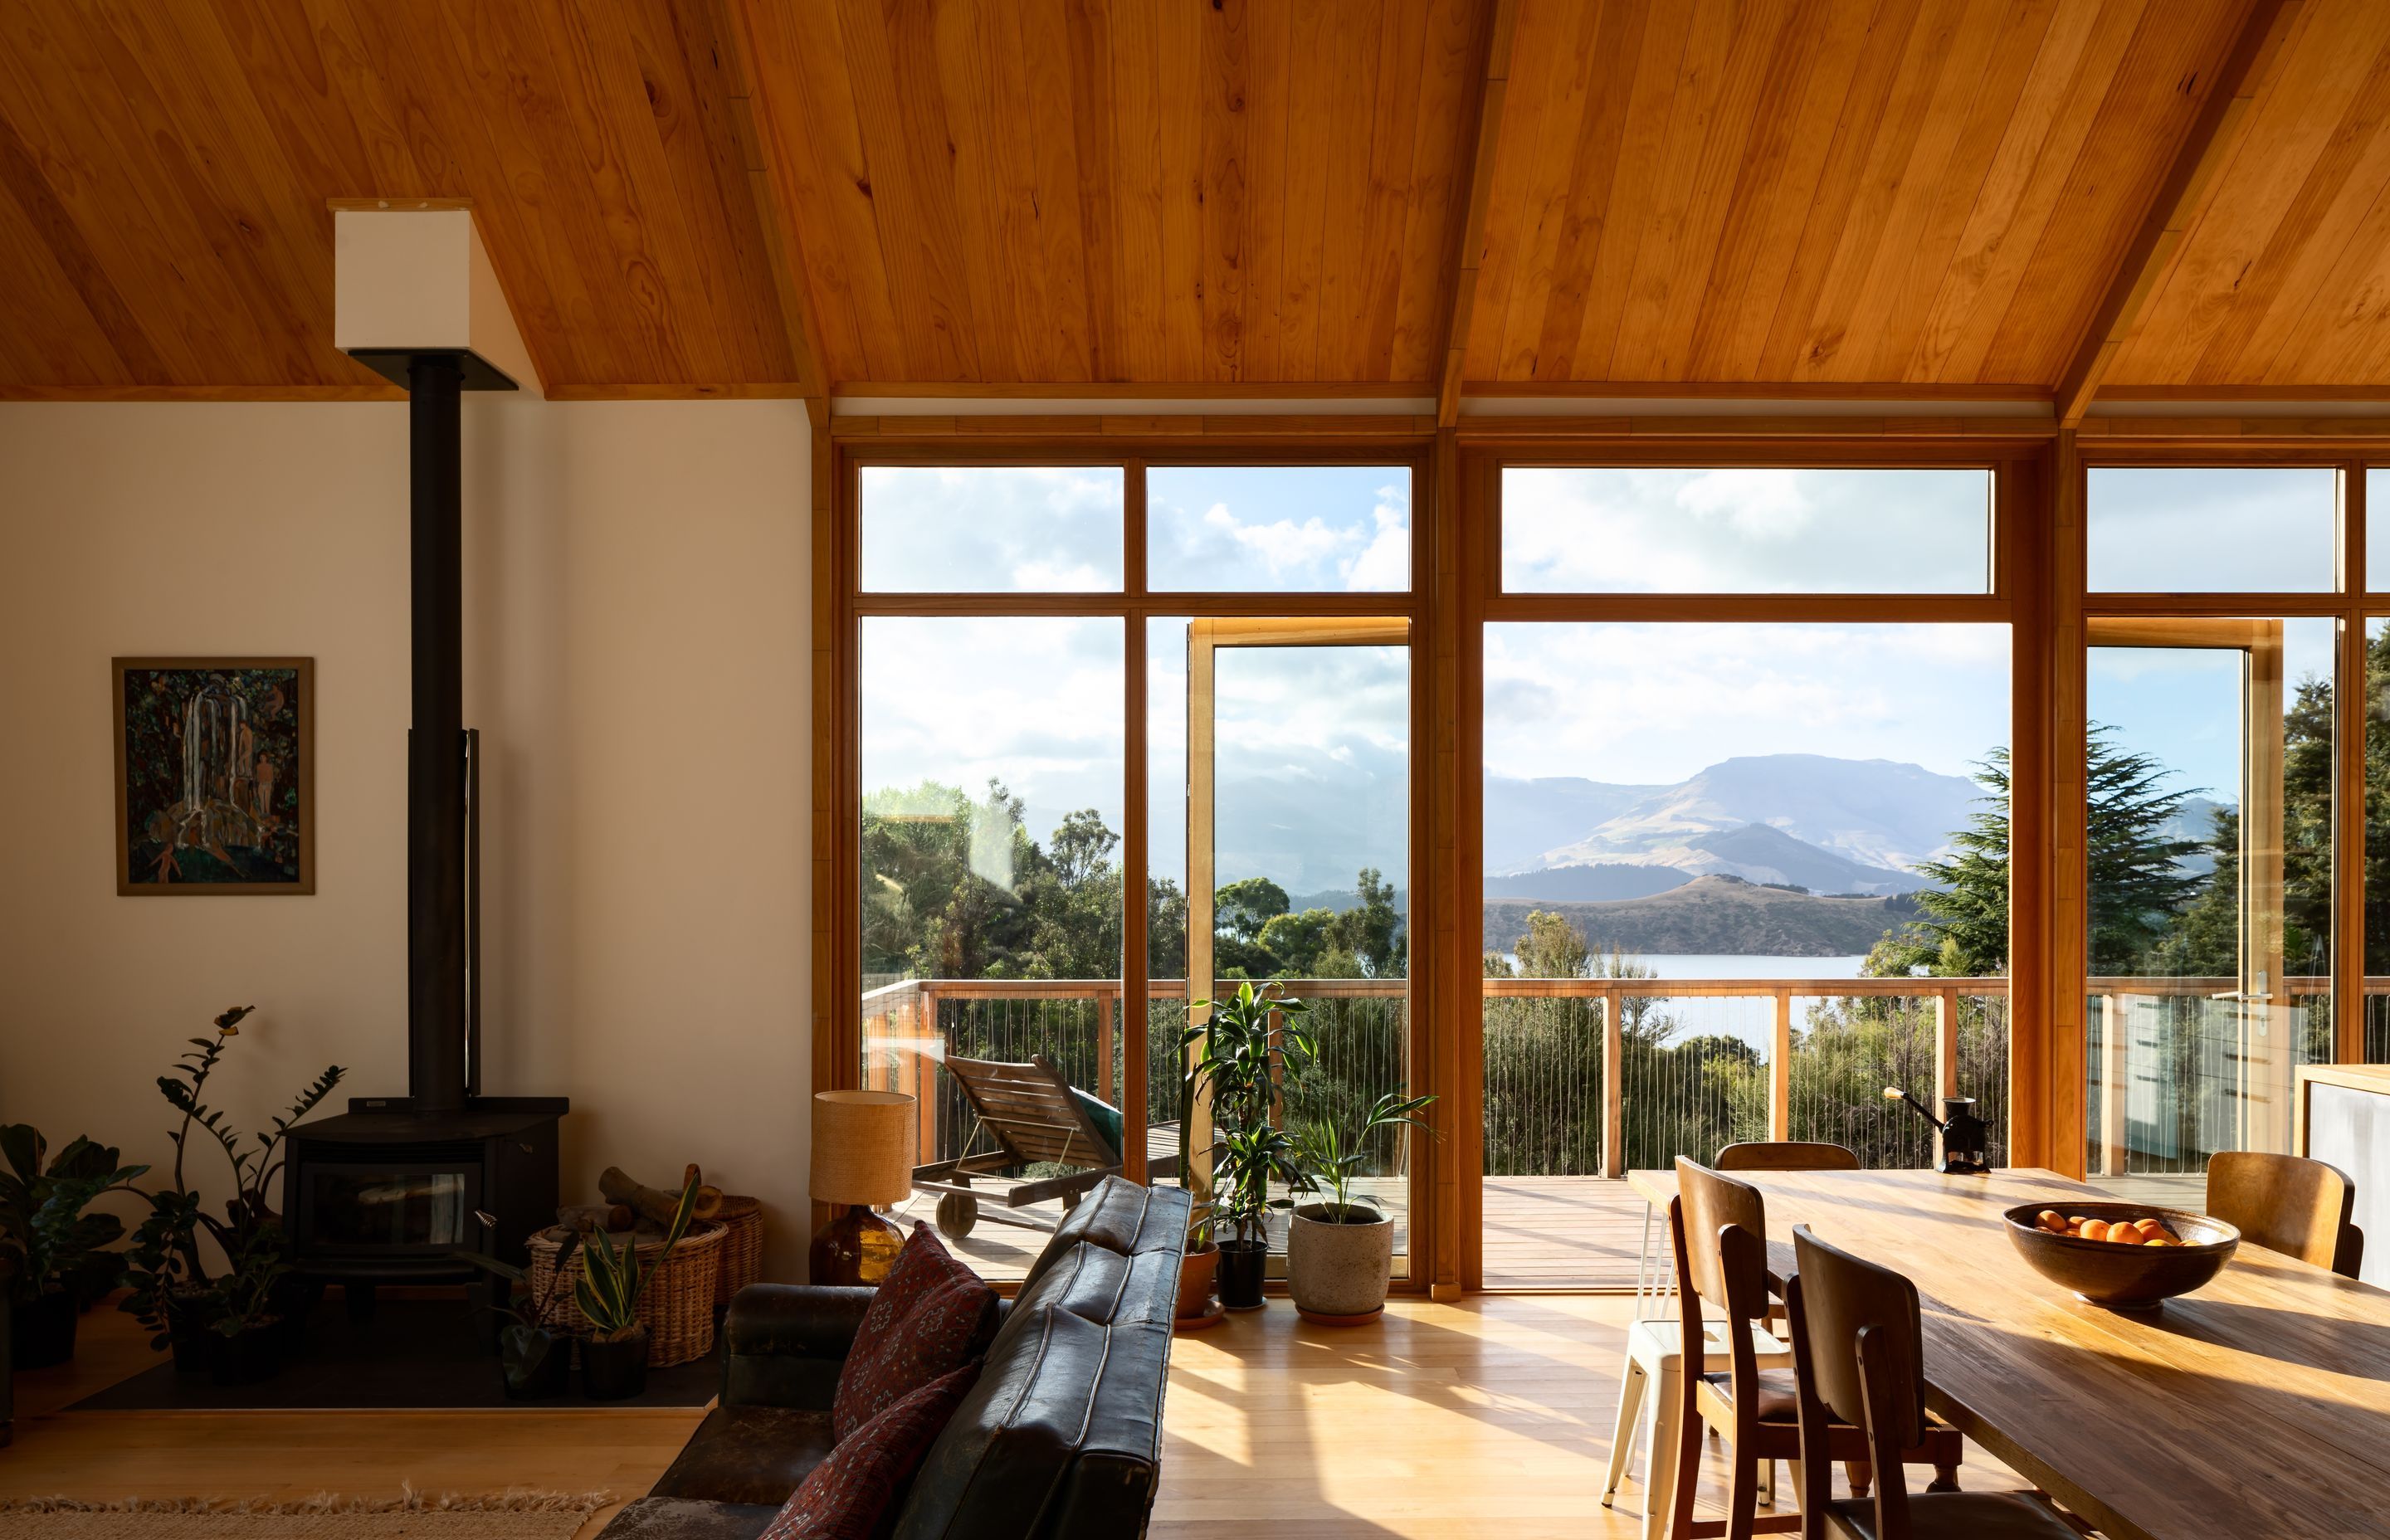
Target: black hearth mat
414 1354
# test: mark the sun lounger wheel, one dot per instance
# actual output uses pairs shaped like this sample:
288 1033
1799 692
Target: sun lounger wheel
958 1215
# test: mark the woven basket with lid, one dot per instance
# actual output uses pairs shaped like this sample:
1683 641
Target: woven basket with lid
677 1305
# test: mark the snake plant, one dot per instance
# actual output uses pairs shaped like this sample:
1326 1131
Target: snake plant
612 1280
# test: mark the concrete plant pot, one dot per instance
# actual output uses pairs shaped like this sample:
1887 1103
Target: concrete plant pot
1338 1273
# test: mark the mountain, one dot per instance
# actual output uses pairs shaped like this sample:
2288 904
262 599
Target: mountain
1595 884
1811 820
1525 818
1715 915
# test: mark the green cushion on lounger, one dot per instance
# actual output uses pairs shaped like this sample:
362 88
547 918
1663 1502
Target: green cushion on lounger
1105 1116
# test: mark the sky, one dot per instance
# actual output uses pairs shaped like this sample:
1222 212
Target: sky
1321 736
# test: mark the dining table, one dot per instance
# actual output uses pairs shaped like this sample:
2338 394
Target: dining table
2257 1405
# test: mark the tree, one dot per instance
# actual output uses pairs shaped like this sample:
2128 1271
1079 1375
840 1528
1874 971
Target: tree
2138 881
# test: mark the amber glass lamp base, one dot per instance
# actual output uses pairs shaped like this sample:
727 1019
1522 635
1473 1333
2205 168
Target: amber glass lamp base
858 1247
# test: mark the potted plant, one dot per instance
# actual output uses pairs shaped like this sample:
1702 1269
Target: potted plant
51 1251
1241 1052
1339 1251
534 1355
233 1322
615 1359
1197 1266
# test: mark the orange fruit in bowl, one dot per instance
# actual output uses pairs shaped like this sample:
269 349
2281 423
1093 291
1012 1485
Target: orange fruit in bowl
2051 1220
2094 1229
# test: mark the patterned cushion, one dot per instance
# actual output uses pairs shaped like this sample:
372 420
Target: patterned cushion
851 1495
932 1317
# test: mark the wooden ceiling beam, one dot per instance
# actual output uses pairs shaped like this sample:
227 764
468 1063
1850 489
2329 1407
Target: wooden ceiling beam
1469 249
758 145
2214 136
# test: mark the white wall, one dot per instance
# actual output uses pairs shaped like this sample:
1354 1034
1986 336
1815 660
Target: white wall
637 660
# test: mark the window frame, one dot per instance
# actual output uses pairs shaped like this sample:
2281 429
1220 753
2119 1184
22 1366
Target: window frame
838 755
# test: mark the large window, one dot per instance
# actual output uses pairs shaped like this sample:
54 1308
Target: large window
2211 810
1740 873
1013 678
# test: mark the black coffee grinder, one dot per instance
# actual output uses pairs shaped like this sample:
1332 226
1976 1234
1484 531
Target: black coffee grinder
1965 1135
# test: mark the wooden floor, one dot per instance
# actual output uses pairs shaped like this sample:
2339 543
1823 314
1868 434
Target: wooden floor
1487 1418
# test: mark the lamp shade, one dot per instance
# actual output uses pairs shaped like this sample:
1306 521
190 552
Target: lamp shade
863 1147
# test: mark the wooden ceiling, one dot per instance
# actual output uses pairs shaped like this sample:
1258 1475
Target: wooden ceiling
1934 198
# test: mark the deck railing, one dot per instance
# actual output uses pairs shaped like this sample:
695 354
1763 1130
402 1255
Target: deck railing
1593 1076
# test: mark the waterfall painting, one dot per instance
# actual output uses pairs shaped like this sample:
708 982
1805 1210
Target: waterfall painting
214 775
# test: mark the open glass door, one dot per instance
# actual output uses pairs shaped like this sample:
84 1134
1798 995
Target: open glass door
1297 834
2210 821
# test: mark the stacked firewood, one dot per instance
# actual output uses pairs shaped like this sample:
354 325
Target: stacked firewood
631 1205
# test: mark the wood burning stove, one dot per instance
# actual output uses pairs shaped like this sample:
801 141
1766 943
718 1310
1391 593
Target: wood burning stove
390 1189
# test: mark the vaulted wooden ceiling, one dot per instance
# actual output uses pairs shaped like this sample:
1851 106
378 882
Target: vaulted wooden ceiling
1936 196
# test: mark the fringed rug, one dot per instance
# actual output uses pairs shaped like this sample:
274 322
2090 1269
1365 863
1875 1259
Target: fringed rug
502 1516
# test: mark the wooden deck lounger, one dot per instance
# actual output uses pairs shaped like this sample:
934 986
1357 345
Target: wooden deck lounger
1029 1111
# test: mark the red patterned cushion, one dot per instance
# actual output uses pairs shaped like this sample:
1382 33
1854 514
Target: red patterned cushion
929 1319
851 1495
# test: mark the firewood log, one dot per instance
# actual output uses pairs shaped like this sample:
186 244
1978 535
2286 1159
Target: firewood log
655 1204
614 1218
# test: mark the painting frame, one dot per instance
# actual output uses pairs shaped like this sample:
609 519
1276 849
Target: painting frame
303 755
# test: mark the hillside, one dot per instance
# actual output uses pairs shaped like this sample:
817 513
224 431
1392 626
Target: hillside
1715 915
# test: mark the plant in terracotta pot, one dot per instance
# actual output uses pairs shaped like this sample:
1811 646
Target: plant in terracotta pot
230 1322
615 1359
1340 1249
1198 1266
534 1350
1249 1044
53 1251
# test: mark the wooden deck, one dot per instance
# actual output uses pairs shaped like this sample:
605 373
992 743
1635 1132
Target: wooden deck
1541 1232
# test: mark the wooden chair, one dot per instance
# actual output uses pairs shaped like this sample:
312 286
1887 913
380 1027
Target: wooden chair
1719 1227
2290 1204
1785 1155
1859 1353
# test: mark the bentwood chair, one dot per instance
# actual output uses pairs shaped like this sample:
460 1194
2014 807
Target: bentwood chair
1719 1228
1859 1350
1785 1155
2289 1204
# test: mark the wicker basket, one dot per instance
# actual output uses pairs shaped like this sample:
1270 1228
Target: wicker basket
677 1305
742 1249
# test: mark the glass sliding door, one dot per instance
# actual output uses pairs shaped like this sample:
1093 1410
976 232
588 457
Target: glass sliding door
2210 817
1297 816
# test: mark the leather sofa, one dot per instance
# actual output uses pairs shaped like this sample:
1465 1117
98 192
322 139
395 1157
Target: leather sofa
1059 1440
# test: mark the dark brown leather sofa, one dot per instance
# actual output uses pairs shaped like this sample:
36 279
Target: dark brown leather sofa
1059 1440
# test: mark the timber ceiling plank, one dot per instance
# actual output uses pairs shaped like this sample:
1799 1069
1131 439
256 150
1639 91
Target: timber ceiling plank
191 149
1112 191
1916 191
2279 282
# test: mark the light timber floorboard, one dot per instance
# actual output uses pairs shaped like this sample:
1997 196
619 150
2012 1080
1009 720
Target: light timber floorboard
1488 1417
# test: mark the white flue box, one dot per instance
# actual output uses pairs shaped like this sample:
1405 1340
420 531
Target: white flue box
417 279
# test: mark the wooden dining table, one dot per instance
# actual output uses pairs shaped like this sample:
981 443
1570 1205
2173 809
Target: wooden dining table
2256 1406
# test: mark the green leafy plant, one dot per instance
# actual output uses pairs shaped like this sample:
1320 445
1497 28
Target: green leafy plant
48 1240
525 1342
1327 1162
612 1280
166 1269
1249 1044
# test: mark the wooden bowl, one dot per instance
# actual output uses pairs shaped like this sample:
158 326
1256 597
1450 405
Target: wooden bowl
2123 1278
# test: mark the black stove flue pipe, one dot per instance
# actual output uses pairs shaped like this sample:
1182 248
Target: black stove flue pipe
436 916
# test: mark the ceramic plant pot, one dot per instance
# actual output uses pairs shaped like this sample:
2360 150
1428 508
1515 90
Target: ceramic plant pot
1338 1271
191 1329
248 1357
1195 1273
615 1371
1243 1265
42 1332
536 1366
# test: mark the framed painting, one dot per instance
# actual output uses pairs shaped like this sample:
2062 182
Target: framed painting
215 775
